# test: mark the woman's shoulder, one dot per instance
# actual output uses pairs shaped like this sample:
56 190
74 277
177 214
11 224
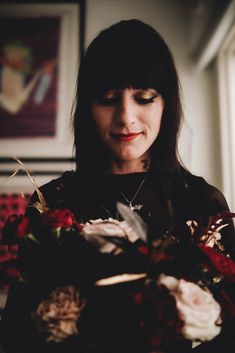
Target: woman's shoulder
201 189
60 182
198 182
56 191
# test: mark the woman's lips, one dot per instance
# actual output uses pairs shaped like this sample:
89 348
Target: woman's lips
126 137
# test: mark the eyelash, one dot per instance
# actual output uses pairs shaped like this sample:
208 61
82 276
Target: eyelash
145 101
110 101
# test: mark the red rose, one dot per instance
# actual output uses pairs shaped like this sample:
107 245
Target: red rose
221 262
80 226
59 218
12 273
5 255
138 297
162 322
143 250
23 228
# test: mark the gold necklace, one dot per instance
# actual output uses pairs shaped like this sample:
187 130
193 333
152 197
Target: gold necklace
130 204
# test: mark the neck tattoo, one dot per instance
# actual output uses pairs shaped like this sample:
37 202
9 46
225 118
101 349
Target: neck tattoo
130 202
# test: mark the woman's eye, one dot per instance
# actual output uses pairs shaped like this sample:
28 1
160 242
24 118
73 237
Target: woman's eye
145 101
106 101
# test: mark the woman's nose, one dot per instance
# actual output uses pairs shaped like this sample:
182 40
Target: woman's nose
125 112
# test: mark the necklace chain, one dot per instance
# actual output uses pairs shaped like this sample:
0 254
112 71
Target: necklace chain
134 207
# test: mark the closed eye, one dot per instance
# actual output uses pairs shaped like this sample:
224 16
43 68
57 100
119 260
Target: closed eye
145 101
115 99
107 101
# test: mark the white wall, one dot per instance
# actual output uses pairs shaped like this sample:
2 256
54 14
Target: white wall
170 18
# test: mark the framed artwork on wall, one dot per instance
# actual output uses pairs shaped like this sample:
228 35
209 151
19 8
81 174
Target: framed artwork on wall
40 49
39 58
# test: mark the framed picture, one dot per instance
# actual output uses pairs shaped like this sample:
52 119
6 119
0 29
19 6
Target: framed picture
39 58
43 169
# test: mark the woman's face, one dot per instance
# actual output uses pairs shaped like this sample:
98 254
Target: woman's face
128 121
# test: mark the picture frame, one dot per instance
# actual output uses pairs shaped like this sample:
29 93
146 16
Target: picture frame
43 169
58 143
45 157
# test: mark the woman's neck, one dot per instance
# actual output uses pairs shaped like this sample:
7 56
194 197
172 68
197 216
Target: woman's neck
128 167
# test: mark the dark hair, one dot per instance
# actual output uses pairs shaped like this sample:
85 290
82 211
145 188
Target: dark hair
127 54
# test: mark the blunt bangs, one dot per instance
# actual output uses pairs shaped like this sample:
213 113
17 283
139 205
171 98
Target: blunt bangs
129 56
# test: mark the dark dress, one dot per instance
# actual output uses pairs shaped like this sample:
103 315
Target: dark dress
111 317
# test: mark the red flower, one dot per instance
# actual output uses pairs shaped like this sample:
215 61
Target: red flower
138 297
80 226
59 218
23 228
8 252
161 322
221 262
12 273
143 250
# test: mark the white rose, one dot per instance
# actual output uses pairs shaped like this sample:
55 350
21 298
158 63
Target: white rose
98 231
197 308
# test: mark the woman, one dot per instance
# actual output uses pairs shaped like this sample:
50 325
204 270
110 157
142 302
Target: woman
126 123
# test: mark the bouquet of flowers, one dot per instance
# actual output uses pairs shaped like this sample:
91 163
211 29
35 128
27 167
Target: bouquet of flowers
62 255
188 292
187 277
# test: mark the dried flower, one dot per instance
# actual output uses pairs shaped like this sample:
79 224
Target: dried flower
58 315
192 224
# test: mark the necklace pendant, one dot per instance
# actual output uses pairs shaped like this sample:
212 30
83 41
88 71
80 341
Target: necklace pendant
135 207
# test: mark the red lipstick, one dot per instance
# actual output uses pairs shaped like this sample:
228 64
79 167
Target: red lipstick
126 137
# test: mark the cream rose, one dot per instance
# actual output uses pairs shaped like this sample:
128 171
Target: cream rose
98 231
197 308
